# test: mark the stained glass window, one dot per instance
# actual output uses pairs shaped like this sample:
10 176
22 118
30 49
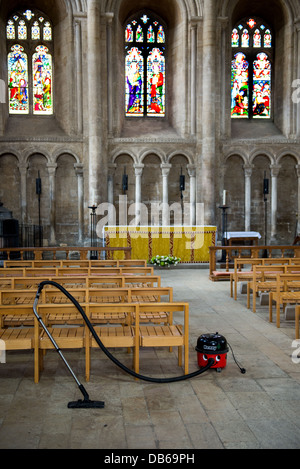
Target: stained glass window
22 30
35 31
134 83
261 86
235 39
257 38
128 33
42 81
239 86
251 78
145 68
245 38
161 35
156 83
18 81
47 31
30 86
267 39
10 30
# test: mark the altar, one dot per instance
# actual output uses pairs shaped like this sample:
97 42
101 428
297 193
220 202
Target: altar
189 243
242 237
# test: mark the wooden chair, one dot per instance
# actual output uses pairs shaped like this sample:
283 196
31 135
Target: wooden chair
239 275
170 335
264 279
287 292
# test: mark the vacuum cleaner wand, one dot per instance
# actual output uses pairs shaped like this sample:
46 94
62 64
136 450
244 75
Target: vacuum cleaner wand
84 403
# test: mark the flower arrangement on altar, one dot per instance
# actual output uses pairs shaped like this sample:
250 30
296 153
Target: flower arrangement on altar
165 261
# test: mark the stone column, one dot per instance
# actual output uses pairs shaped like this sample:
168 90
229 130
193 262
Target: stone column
296 91
94 101
78 75
23 191
248 173
52 198
274 176
192 174
165 169
193 95
208 106
79 173
110 81
138 169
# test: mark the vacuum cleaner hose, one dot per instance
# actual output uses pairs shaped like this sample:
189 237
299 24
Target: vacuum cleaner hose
210 362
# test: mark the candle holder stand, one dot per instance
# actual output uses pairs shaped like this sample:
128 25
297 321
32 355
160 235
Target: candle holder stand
224 231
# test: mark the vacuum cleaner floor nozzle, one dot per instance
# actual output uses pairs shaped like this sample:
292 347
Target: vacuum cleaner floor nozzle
86 404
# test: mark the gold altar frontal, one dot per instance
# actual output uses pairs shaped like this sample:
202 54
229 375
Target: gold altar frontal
190 243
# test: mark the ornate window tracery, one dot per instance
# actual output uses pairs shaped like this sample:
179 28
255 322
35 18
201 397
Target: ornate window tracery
29 37
251 69
145 67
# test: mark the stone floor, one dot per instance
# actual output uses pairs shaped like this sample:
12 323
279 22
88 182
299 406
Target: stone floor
259 409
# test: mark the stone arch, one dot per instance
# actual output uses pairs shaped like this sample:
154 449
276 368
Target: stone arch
57 154
121 152
34 151
154 151
266 153
190 159
281 155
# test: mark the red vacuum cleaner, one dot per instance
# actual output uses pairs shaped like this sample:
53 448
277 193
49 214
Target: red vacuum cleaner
212 346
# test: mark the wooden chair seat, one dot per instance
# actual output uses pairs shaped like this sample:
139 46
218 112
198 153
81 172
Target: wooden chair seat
114 336
65 337
18 338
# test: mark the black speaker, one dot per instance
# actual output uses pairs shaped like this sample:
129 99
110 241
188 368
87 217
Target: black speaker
38 186
182 182
266 186
125 182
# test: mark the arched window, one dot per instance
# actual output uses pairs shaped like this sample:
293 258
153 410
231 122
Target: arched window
251 70
29 63
145 67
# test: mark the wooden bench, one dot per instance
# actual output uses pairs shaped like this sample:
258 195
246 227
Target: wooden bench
53 252
75 263
61 271
84 281
13 300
